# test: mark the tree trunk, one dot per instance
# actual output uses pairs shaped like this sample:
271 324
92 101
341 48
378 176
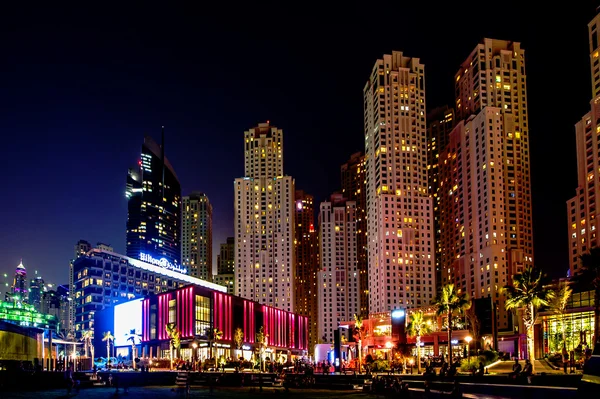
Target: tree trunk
530 343
171 354
359 355
449 337
419 354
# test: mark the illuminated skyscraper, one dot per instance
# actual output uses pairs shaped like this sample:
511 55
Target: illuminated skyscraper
583 208
81 248
400 212
154 206
307 263
440 123
264 222
338 276
226 266
354 189
196 236
485 179
19 286
36 289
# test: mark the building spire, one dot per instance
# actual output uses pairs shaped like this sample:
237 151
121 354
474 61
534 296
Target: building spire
162 158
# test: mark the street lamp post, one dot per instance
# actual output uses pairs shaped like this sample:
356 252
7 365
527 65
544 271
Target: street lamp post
468 338
195 352
411 361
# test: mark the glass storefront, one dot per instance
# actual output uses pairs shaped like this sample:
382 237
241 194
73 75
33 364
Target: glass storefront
579 330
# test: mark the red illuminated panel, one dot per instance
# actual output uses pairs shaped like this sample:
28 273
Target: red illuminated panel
146 320
222 313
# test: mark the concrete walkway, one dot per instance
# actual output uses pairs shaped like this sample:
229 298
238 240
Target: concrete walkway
505 367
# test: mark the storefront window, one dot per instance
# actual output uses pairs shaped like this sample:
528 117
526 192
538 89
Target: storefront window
579 329
172 311
202 314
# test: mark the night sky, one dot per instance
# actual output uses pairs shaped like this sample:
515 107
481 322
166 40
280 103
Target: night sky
82 86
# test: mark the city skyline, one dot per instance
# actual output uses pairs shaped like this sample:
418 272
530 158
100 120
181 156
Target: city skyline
82 135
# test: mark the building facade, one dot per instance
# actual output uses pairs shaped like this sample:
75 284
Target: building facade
194 310
226 257
307 263
441 121
81 248
36 289
56 303
485 176
399 211
354 189
102 279
338 277
226 280
264 222
154 206
196 236
582 210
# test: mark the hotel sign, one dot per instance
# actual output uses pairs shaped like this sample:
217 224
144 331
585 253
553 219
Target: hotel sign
162 262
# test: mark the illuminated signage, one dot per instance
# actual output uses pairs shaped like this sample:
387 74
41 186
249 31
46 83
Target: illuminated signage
162 262
396 314
246 347
454 342
127 317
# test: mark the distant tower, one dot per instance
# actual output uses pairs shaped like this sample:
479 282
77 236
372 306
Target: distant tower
226 266
36 289
154 206
196 235
264 222
19 287
307 263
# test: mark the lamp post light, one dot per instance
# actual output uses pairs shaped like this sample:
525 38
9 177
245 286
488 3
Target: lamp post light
468 338
411 362
194 353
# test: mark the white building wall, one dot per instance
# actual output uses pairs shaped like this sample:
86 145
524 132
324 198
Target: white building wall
338 276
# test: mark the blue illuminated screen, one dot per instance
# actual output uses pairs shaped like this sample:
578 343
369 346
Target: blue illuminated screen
128 316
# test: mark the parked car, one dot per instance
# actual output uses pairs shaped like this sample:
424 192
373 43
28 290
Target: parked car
590 382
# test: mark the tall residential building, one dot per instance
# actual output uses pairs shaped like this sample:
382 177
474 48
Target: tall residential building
354 189
19 286
196 235
594 39
57 303
264 222
154 206
226 256
104 247
486 213
399 211
338 277
440 123
583 208
226 265
36 289
81 248
306 263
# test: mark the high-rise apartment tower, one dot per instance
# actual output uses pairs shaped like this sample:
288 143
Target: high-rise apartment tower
196 236
264 222
399 211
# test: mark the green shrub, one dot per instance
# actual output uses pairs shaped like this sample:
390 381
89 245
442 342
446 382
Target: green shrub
380 365
488 357
466 365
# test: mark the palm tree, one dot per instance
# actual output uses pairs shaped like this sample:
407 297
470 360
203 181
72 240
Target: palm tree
132 337
449 302
261 341
527 293
558 305
417 327
475 325
358 335
591 274
86 337
238 338
174 339
213 334
108 337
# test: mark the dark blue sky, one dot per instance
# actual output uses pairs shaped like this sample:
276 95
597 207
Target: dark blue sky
82 86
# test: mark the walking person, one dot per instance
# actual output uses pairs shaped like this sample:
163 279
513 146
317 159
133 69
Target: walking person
68 376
